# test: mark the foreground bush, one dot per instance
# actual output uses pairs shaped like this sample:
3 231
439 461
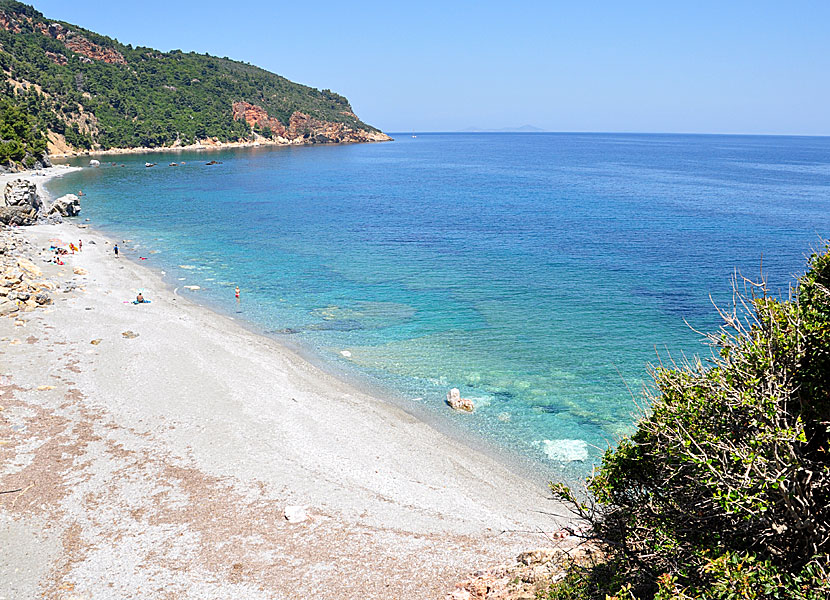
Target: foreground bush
723 490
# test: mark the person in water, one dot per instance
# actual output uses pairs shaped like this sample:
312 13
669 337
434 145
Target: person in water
115 249
140 298
237 293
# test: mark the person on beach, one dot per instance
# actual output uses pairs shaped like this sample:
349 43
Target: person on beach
80 245
115 249
140 298
237 293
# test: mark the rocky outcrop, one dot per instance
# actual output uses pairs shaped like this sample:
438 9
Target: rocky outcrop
9 23
22 193
18 215
256 116
58 59
65 206
303 128
79 44
528 577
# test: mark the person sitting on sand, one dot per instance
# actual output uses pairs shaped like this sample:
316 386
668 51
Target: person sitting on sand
140 298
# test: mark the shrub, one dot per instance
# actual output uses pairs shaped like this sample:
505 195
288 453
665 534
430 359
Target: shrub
723 490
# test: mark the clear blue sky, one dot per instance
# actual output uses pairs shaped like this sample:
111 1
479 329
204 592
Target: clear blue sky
718 67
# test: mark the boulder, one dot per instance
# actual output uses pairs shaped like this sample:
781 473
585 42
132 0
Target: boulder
43 298
18 215
295 514
94 163
21 192
29 267
66 206
456 402
7 308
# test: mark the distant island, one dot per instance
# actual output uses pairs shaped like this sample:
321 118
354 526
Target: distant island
69 90
521 129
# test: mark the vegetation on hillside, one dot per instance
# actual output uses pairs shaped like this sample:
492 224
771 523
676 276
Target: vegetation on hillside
21 140
724 490
130 97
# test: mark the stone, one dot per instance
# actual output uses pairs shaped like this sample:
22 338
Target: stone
456 402
94 163
66 206
79 271
21 192
29 267
539 556
129 334
7 308
18 215
96 342
295 514
43 298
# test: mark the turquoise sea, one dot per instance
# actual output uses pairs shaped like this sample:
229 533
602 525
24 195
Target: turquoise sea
538 273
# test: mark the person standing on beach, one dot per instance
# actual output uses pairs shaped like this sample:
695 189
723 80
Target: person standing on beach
80 245
115 249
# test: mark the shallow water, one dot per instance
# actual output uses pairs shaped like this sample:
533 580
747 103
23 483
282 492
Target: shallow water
537 273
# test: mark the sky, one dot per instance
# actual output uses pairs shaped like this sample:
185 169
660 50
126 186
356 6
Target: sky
637 66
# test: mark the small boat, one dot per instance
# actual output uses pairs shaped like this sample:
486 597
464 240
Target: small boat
148 165
173 165
214 162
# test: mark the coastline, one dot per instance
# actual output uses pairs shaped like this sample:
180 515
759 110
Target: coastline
231 421
372 138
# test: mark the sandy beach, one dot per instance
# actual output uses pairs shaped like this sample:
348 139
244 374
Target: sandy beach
158 446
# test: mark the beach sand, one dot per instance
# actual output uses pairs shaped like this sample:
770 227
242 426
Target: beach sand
161 465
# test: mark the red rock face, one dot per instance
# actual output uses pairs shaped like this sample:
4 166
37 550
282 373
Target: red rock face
79 44
303 128
8 23
256 115
58 59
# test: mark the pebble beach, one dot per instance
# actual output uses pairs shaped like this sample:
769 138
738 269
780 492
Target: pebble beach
164 451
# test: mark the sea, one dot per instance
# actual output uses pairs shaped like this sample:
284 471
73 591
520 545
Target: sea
540 274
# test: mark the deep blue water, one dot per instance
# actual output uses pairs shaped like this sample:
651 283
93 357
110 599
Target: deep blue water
538 273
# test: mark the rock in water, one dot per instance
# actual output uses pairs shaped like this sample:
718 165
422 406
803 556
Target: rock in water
295 514
566 450
94 163
455 400
66 206
22 193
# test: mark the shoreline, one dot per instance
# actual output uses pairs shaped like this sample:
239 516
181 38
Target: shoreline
218 411
210 146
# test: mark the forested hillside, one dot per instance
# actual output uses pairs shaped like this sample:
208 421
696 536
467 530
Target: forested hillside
83 90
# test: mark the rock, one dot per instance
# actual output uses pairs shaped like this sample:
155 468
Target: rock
94 163
21 192
539 556
455 401
22 296
79 271
66 206
7 308
18 215
29 267
129 334
44 388
566 450
43 298
96 342
295 514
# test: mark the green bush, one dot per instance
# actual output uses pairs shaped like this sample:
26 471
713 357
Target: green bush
723 490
